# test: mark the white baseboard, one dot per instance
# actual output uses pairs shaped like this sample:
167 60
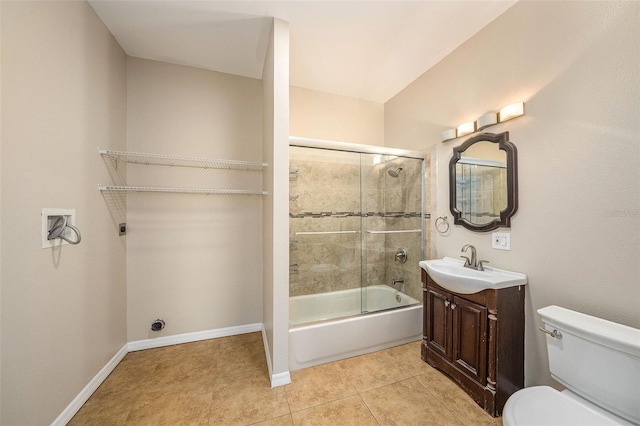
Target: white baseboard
89 389
177 339
279 379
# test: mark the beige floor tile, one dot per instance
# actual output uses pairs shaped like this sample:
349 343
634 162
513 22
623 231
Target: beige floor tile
127 378
344 412
408 358
243 353
171 408
373 370
246 399
187 372
456 399
407 403
278 421
317 385
110 410
226 381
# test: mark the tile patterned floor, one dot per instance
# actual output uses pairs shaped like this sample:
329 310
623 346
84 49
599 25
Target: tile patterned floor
225 382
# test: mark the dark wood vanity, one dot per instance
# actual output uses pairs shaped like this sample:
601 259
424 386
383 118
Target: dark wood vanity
476 339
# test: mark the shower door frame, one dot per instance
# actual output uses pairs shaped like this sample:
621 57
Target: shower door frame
374 150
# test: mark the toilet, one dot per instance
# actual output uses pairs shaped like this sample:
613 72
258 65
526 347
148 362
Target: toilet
597 361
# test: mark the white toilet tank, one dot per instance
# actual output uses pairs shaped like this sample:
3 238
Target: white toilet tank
596 359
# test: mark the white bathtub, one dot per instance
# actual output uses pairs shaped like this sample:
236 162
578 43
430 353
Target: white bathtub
351 333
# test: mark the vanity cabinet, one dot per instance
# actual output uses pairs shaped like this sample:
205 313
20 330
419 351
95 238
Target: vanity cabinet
476 339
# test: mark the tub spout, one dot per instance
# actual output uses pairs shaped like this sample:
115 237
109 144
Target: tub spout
400 281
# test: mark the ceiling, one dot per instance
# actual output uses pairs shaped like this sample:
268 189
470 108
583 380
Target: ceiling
363 49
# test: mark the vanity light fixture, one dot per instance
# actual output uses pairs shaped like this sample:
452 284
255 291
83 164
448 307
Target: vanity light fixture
466 128
511 111
489 119
448 135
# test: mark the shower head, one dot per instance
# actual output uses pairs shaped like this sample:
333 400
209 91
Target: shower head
394 173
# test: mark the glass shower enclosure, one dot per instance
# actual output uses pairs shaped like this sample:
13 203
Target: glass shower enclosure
356 232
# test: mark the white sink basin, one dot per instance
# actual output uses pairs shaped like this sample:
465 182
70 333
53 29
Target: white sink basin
451 274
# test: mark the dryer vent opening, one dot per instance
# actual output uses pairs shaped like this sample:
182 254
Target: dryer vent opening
157 325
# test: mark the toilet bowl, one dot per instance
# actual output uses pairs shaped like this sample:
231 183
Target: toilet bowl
598 362
543 405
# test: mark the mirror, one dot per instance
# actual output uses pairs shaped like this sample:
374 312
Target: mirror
483 183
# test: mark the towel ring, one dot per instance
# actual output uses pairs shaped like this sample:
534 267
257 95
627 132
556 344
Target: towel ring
442 222
58 229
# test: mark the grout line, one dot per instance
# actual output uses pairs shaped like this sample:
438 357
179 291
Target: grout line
371 412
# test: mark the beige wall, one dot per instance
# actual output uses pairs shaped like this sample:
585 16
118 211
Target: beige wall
275 219
321 115
193 260
576 233
63 310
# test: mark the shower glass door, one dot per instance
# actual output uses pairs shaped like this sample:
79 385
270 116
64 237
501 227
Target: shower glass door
393 242
355 233
324 233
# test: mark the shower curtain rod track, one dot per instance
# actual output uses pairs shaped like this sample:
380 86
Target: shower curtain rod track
354 147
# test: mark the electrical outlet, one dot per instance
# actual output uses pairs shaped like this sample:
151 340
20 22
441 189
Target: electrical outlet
501 240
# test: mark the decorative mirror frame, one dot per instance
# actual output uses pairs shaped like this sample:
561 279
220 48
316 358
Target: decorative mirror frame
502 139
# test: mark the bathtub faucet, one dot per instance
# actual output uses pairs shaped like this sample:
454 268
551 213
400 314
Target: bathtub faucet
395 281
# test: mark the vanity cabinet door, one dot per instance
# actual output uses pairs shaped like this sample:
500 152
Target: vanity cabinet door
469 352
476 339
438 324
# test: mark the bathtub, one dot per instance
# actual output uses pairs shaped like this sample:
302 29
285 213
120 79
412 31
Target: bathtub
330 326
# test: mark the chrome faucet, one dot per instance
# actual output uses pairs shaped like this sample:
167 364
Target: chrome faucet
400 281
473 262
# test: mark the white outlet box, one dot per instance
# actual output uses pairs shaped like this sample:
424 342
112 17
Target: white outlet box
49 216
501 240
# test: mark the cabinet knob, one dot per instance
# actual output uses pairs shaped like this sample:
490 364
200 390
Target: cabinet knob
453 306
446 303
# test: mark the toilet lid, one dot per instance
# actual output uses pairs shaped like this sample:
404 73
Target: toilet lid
543 405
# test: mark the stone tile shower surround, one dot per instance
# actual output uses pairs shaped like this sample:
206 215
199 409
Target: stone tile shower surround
326 196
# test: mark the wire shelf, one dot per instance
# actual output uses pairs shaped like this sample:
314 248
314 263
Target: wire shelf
205 191
181 161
